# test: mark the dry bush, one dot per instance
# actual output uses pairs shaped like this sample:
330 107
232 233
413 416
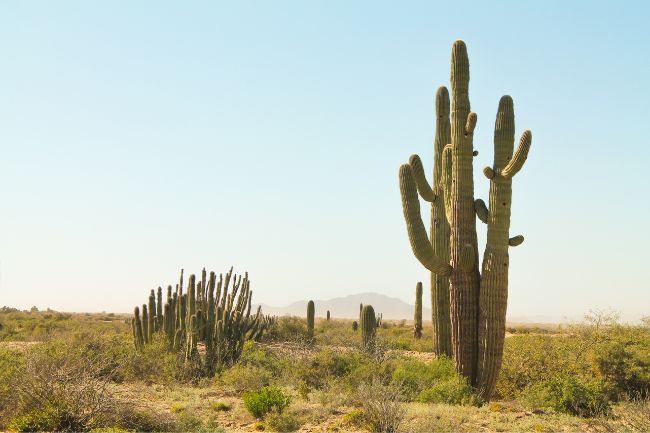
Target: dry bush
382 406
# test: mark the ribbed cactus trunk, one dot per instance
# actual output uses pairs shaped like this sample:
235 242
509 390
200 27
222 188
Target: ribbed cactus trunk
464 277
494 277
159 310
476 338
311 311
368 327
137 329
417 316
152 315
145 324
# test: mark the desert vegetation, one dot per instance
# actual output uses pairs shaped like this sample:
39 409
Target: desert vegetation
84 372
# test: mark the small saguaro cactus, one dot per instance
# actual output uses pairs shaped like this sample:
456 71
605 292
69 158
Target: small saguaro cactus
355 326
417 317
328 315
145 324
368 327
311 311
477 299
138 333
151 327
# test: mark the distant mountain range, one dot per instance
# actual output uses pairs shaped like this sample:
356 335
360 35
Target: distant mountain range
348 307
392 308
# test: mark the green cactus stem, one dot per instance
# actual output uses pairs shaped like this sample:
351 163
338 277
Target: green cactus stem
417 317
355 326
145 324
494 277
151 327
311 311
138 330
368 327
328 315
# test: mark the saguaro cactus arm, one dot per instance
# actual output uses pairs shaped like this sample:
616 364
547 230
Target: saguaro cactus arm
416 231
481 210
516 240
426 192
520 156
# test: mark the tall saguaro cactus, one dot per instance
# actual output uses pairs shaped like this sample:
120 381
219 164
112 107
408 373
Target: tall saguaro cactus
477 301
311 312
417 316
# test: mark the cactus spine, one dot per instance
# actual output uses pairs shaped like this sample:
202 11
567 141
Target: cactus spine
368 327
311 311
417 319
477 354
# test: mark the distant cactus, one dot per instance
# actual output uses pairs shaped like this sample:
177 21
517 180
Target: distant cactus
477 299
417 319
206 313
311 312
368 327
138 332
145 324
355 326
328 315
151 327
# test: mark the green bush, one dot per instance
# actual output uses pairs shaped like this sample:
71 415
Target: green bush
622 359
264 400
454 390
242 377
282 422
415 376
45 420
326 366
566 394
533 359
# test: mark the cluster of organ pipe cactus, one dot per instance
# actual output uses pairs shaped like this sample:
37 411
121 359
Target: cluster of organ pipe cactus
469 306
311 313
417 316
368 327
210 312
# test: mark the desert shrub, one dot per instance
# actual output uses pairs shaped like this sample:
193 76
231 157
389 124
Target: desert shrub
282 422
454 390
622 358
241 377
532 359
220 406
264 400
259 356
287 328
415 376
381 404
153 364
326 366
566 394
62 388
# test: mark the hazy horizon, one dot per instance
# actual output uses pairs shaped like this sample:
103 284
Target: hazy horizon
139 139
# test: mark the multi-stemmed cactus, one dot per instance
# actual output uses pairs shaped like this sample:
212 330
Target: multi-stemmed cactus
311 313
477 300
417 316
368 327
206 314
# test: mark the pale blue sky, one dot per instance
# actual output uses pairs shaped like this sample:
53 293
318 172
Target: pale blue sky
137 138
